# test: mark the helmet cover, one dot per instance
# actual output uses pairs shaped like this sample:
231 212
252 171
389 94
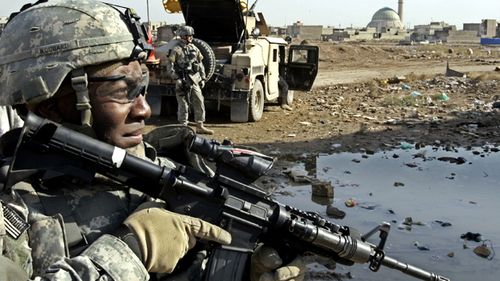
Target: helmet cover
41 45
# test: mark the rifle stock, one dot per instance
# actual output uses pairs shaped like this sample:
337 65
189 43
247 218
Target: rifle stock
244 210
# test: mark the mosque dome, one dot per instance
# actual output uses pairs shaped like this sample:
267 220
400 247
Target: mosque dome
386 19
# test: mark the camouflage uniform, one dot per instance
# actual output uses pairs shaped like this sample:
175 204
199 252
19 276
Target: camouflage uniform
187 58
70 222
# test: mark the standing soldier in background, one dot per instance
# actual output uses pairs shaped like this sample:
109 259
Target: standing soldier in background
88 74
80 63
186 68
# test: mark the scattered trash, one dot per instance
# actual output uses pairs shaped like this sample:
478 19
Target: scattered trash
350 203
368 207
469 236
398 184
411 165
443 223
305 123
420 247
451 254
409 221
405 87
291 135
415 94
443 97
396 80
336 145
405 145
453 73
453 160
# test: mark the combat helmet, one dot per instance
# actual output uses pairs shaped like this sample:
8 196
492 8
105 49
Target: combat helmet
185 30
44 43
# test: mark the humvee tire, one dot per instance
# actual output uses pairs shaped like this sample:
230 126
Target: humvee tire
209 61
256 102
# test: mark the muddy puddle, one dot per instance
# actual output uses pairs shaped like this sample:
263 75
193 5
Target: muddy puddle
445 193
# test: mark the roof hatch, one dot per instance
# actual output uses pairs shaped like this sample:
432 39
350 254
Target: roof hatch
215 21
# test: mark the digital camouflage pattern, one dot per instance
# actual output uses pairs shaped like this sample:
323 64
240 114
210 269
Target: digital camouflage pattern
185 30
187 59
69 219
97 209
53 39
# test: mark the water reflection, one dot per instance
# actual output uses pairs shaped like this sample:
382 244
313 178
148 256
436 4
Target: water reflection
445 194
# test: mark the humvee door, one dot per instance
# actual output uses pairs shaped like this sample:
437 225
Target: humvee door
302 67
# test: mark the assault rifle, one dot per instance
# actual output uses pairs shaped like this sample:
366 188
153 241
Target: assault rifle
244 210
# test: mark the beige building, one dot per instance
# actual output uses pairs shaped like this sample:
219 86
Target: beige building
303 32
488 28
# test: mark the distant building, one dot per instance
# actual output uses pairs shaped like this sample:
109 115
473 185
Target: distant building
301 31
386 20
472 27
435 31
488 28
351 34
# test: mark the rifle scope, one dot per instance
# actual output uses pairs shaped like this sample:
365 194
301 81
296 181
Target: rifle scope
248 162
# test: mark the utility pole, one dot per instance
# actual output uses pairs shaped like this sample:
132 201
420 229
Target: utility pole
147 11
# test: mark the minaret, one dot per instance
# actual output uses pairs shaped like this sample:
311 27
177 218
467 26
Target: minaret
400 10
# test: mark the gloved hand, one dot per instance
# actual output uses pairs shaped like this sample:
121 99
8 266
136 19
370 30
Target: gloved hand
165 237
266 266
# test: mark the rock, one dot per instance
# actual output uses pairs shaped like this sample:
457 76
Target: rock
322 189
298 176
451 254
482 251
398 184
334 212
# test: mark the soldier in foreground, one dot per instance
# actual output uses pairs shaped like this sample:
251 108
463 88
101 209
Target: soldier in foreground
187 69
79 63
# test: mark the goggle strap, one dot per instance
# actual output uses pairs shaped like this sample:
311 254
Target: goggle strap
79 82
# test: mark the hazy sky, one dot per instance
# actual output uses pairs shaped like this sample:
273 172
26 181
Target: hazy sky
330 12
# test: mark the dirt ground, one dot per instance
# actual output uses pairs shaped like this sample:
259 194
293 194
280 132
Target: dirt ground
371 97
374 96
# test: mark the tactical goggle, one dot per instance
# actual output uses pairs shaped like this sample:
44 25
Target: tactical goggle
134 89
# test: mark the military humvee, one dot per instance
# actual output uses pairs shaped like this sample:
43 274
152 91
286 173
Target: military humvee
246 68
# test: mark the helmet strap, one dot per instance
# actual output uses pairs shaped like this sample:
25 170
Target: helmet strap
79 82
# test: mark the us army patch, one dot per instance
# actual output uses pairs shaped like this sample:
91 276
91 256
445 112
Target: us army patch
14 224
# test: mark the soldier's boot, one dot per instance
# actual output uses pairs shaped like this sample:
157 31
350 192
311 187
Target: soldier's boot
200 129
